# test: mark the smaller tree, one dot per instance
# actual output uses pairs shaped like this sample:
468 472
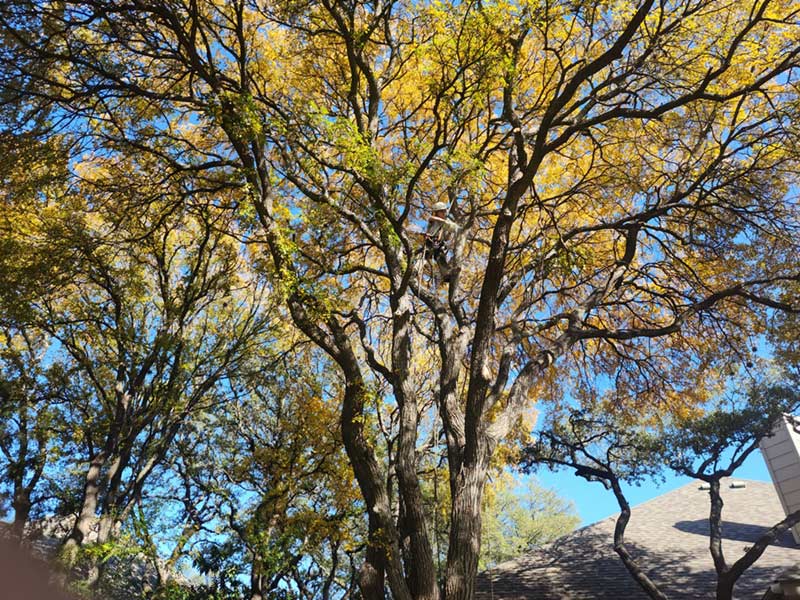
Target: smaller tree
713 445
277 508
519 516
601 447
148 301
31 398
708 443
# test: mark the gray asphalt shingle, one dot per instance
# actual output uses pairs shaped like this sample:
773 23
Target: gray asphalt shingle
668 535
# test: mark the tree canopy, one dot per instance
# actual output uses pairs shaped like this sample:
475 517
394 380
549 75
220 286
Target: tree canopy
619 180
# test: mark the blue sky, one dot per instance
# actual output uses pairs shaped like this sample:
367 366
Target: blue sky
594 502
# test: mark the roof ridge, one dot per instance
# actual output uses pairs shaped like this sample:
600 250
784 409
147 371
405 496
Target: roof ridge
667 493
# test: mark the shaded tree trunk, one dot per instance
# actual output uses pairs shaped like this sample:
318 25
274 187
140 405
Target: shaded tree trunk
87 515
465 532
383 549
17 470
371 574
725 587
715 527
420 566
22 510
86 519
650 588
256 580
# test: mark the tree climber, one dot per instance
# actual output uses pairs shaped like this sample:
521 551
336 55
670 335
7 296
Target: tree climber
440 231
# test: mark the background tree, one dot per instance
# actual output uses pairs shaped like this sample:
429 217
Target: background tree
712 446
610 449
280 484
709 443
519 517
32 393
155 311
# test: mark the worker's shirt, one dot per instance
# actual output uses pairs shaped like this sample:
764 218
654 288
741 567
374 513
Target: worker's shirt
441 228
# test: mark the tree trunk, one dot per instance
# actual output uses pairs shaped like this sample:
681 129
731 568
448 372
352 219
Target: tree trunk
256 580
22 511
106 528
715 528
725 587
21 502
384 538
419 563
724 580
638 575
87 515
383 549
371 574
105 531
465 532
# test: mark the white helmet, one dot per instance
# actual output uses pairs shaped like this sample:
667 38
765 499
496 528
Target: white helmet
439 206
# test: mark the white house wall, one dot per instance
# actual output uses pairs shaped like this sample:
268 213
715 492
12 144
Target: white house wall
781 452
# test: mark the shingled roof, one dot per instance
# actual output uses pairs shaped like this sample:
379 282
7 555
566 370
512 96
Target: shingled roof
669 535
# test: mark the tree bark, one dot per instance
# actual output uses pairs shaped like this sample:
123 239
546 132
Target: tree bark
91 493
22 510
256 580
715 528
725 586
725 580
465 531
371 574
650 588
383 544
420 566
106 529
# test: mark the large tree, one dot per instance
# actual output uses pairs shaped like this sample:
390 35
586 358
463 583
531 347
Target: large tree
619 175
